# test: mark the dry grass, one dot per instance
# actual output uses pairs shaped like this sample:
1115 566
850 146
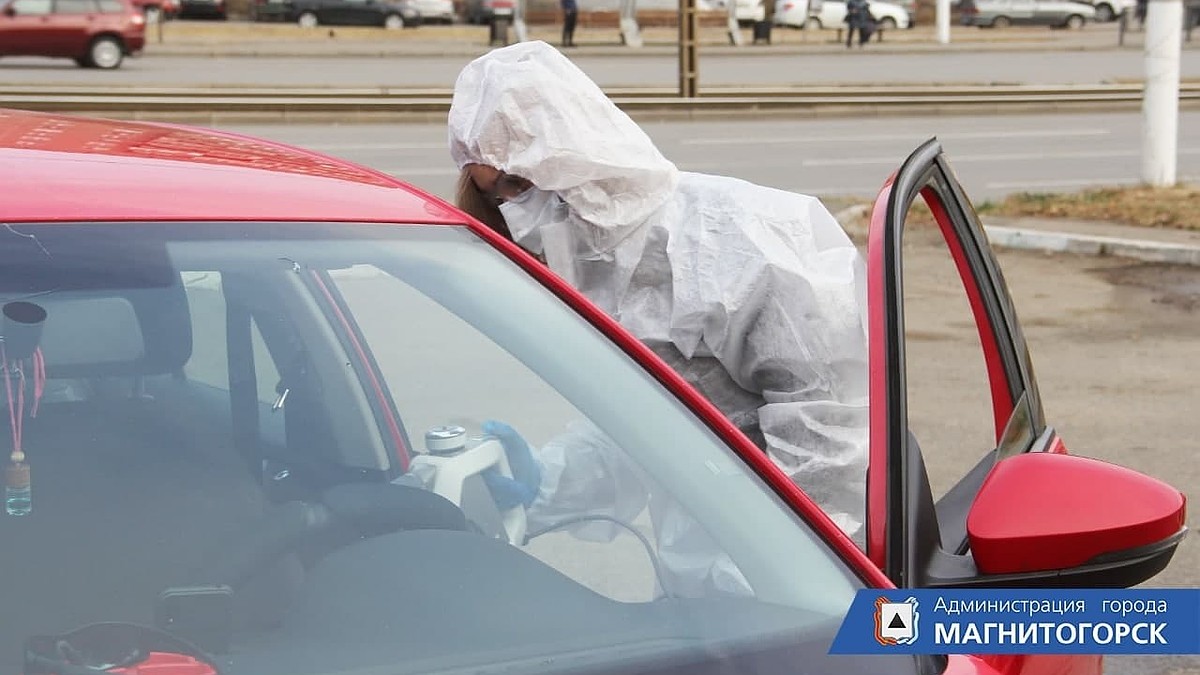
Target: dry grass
1175 207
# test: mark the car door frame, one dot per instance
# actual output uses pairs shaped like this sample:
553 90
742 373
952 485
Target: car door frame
915 541
906 529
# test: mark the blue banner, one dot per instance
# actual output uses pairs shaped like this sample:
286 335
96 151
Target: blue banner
1030 621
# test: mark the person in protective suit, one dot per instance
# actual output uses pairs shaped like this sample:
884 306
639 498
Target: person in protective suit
756 296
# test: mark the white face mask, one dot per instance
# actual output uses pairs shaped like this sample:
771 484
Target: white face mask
530 211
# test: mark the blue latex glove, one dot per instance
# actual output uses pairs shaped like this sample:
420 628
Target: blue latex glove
522 488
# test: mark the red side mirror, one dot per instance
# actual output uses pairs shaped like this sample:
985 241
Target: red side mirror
1039 512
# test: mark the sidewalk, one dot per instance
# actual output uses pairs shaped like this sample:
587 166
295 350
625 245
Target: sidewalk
233 38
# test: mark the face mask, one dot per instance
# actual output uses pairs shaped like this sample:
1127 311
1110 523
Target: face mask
528 212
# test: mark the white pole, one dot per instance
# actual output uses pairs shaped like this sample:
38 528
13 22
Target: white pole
519 24
943 21
735 32
1160 102
631 34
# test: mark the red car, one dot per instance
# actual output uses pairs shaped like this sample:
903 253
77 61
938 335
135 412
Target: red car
244 417
95 33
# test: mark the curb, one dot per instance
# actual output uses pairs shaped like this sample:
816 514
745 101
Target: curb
659 51
1094 245
311 105
1026 239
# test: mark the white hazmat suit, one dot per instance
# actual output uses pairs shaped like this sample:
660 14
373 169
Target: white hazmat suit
755 295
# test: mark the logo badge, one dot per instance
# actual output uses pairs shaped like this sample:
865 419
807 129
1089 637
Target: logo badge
896 622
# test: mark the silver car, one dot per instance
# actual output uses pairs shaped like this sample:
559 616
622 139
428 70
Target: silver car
1003 13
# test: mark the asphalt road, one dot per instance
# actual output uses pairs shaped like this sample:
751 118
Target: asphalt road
1033 66
993 155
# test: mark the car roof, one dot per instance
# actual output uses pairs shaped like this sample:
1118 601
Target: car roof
71 168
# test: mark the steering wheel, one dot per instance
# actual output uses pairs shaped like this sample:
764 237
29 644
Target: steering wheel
346 513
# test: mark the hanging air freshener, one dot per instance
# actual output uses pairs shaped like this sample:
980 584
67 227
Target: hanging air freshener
18 495
22 333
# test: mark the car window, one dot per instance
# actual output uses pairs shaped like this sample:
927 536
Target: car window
111 6
949 394
245 411
74 6
209 363
31 7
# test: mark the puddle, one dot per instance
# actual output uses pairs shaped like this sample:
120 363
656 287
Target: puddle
1172 285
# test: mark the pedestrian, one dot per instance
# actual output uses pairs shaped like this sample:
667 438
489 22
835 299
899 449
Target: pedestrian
570 16
858 19
754 295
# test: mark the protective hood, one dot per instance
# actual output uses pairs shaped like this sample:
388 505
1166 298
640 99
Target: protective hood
529 111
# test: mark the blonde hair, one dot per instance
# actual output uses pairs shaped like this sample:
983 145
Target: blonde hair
479 205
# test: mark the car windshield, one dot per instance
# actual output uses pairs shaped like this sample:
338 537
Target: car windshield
280 442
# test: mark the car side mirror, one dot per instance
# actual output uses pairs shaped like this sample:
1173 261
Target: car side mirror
1052 519
10 11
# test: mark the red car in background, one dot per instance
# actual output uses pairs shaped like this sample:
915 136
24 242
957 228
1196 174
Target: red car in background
232 384
94 33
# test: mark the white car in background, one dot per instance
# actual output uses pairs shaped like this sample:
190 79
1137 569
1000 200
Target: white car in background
832 14
747 11
435 11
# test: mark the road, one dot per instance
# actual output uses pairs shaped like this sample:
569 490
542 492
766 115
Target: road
994 155
646 70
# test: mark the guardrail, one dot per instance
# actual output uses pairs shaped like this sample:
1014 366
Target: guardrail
374 103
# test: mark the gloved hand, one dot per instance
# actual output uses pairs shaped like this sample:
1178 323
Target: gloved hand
522 488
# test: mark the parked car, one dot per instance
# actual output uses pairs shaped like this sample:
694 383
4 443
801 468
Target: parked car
95 33
484 11
832 14
1004 13
257 439
391 14
435 11
203 9
1110 10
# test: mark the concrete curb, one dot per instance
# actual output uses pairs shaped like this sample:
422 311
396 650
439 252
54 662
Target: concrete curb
312 105
1003 237
1095 245
472 50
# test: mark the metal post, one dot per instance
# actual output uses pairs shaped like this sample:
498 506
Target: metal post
943 21
688 69
1122 27
631 34
1160 102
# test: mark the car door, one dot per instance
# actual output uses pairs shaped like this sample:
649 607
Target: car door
920 542
1024 11
332 12
833 14
23 27
360 12
70 27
